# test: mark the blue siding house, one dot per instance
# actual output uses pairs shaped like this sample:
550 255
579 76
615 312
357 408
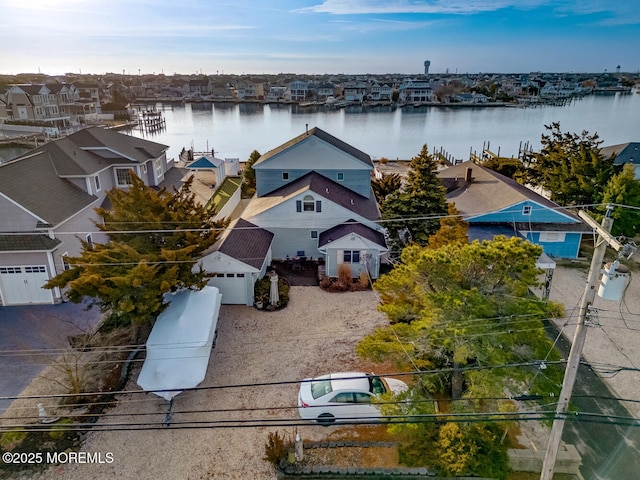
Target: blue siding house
490 201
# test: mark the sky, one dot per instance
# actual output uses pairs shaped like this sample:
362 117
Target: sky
318 36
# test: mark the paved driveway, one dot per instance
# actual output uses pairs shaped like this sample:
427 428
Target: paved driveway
27 335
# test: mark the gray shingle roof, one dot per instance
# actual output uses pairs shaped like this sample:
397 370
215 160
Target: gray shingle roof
247 243
347 228
93 149
488 191
32 182
322 135
27 243
345 197
623 152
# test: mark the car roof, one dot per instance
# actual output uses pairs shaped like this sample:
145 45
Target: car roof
350 381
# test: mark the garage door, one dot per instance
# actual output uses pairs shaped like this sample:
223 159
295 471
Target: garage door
23 285
232 286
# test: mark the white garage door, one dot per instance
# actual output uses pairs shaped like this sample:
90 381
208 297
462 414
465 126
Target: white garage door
232 286
23 285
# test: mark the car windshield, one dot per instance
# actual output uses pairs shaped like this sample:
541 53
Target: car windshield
321 386
376 385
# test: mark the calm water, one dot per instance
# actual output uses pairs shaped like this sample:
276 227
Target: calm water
236 130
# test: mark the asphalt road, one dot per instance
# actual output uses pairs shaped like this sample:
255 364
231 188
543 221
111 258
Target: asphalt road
609 451
27 335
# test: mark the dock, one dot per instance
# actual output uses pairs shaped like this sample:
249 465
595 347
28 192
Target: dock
151 121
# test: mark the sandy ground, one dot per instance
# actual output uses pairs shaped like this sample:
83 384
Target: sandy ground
315 334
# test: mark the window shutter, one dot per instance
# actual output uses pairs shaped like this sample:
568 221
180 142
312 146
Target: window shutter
298 205
318 205
340 256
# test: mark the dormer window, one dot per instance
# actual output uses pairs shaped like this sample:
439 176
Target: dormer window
308 204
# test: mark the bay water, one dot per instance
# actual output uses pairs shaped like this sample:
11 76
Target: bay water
235 130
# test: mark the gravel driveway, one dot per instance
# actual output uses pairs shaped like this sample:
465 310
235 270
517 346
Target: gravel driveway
315 334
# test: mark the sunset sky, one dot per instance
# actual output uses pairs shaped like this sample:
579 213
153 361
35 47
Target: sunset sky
318 36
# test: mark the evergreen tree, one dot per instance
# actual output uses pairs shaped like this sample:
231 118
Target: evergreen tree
570 167
624 189
154 238
452 309
453 229
460 305
249 174
388 184
412 213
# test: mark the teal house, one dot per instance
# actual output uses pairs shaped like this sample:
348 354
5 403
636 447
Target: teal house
497 205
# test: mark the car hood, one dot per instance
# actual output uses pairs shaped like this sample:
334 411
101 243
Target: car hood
396 386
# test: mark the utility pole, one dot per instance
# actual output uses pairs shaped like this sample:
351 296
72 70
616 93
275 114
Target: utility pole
573 362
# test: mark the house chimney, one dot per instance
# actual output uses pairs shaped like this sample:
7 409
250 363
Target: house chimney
468 177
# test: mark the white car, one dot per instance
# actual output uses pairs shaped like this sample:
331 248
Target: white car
346 395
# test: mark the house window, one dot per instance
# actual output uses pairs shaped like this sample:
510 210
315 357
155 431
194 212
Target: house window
340 176
308 204
552 237
351 256
65 265
526 210
89 240
285 176
123 177
96 181
314 234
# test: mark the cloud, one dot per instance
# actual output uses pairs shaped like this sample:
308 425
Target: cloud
608 13
380 25
461 7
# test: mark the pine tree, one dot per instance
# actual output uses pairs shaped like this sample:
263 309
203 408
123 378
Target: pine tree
388 184
154 238
570 167
624 189
412 213
453 229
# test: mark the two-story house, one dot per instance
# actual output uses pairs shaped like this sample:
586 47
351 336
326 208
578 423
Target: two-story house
47 201
415 91
298 91
35 103
313 201
314 194
381 92
354 91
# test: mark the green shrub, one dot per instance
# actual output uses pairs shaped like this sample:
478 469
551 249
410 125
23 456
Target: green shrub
10 440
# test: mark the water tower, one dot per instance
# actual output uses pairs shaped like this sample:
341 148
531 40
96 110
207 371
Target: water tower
426 67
